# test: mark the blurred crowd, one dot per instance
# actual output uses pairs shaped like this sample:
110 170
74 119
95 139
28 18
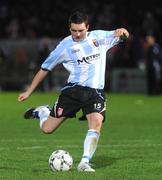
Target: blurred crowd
32 20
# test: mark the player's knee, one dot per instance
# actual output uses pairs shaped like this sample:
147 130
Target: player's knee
96 125
47 130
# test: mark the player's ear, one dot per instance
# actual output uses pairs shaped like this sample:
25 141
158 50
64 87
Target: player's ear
87 27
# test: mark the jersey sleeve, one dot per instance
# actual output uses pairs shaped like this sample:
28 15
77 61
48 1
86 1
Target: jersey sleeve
111 39
54 58
107 38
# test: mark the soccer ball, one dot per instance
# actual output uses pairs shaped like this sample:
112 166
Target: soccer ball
60 160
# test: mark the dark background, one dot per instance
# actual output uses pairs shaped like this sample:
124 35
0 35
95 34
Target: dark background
37 18
30 29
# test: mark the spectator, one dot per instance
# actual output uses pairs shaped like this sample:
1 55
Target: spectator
153 65
44 50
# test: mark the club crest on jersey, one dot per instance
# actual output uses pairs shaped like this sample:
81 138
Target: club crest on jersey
95 42
59 111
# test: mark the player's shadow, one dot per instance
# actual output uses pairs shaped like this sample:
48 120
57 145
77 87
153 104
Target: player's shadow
103 161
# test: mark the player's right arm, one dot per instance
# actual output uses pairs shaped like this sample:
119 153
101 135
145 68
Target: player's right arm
41 74
54 58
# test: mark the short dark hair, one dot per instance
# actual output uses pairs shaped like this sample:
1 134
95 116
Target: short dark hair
78 18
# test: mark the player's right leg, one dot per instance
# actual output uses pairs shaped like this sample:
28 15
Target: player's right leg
48 123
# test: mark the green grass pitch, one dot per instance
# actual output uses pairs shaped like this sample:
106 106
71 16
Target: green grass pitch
130 146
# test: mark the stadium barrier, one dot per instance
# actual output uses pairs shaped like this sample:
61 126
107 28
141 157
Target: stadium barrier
128 81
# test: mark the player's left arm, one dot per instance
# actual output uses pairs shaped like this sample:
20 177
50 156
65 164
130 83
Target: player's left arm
122 33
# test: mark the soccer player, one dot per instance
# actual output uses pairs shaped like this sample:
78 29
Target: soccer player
83 54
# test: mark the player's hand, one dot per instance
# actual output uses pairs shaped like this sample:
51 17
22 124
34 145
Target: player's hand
122 33
23 96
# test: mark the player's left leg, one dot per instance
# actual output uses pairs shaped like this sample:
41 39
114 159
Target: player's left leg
48 123
90 143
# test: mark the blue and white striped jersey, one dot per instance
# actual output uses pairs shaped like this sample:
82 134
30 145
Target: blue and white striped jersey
85 60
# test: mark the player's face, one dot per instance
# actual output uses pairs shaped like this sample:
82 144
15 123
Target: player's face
78 31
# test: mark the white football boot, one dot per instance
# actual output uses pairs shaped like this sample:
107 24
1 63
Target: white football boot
36 112
85 167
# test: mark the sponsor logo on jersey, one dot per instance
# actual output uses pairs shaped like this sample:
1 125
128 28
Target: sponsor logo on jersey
88 59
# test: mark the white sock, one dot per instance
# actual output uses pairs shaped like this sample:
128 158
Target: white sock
43 116
90 145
